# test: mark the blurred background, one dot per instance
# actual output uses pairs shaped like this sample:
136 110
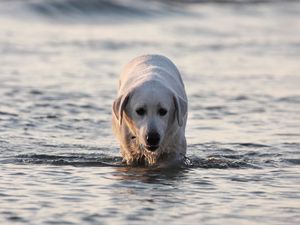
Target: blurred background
59 67
60 62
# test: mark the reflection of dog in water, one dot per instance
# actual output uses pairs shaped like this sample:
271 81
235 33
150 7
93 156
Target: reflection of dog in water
150 112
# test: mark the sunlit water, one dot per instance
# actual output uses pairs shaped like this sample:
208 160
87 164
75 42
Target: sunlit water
59 67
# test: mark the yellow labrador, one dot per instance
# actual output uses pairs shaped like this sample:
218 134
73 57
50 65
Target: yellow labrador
150 112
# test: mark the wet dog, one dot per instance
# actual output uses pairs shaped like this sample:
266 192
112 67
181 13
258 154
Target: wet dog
150 112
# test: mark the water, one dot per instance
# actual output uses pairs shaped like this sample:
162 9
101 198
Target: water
59 67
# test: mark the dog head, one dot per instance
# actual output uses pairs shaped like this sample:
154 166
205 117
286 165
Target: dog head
151 111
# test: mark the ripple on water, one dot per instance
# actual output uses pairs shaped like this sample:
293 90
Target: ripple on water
81 160
59 161
208 155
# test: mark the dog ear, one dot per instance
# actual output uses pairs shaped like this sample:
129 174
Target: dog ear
119 107
180 109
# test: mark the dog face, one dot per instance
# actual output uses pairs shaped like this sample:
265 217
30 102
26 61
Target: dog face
150 113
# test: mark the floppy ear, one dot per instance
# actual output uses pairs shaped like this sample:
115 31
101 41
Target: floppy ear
180 109
119 107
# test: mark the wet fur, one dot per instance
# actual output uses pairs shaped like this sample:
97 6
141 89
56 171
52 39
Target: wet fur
173 147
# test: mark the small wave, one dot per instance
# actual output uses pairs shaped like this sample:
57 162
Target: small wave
212 162
212 155
254 145
78 6
240 98
36 92
8 114
75 160
127 8
290 99
221 163
67 9
292 161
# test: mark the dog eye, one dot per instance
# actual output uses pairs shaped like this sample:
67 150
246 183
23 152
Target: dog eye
141 111
162 112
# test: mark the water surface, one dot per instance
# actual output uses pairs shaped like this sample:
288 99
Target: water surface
59 68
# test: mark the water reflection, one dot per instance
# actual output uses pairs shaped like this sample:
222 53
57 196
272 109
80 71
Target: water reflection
165 176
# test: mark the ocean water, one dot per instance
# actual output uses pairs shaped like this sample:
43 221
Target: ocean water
59 68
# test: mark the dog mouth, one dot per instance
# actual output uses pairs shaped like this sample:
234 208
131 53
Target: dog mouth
151 148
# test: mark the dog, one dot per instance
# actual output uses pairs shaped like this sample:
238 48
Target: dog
150 112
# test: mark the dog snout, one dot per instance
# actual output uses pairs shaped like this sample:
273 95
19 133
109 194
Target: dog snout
153 139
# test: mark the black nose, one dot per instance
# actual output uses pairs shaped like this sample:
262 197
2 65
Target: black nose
152 138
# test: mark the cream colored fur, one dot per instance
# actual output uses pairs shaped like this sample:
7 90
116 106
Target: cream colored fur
151 81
